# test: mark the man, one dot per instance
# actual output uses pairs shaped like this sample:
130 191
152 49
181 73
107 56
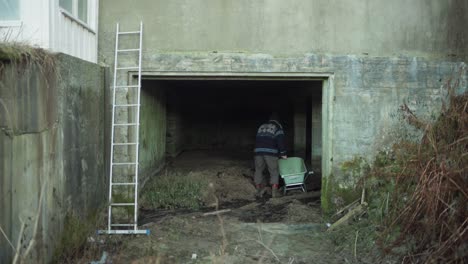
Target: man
269 145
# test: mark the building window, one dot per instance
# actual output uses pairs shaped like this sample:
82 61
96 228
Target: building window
9 10
76 8
83 10
67 5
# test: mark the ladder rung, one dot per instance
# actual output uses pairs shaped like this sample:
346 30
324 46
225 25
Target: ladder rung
126 86
124 105
123 183
124 163
122 224
126 124
128 32
122 204
127 68
123 232
127 50
125 144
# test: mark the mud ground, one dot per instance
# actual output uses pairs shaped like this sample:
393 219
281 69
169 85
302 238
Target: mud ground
248 230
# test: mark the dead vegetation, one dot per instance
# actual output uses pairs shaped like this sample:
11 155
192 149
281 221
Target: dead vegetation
17 59
26 56
425 184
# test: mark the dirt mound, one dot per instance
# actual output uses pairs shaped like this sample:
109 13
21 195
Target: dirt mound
229 178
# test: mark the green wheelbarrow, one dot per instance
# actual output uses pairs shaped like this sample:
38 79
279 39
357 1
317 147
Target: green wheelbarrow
294 173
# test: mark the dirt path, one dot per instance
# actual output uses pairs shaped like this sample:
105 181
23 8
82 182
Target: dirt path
283 230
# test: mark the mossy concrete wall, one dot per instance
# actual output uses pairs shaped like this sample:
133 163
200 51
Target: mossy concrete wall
375 54
152 130
52 134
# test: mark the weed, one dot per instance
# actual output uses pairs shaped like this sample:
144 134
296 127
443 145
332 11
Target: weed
175 191
74 237
27 56
418 189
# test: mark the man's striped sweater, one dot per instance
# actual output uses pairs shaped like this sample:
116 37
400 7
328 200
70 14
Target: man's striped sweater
270 139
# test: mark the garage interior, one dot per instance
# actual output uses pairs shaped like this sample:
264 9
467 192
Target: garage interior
222 115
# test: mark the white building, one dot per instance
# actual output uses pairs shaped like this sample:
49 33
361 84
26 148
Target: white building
68 26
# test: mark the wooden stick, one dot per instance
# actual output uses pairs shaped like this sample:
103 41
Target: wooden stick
18 245
347 207
363 194
8 240
355 245
269 249
357 210
217 212
32 242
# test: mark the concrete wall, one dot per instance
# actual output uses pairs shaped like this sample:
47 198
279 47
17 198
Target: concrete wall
361 101
224 115
52 136
375 27
152 130
316 133
176 129
375 55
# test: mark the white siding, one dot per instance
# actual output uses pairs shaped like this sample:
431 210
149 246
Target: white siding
33 26
71 36
43 23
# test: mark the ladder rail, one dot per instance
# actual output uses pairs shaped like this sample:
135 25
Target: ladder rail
127 142
112 130
138 127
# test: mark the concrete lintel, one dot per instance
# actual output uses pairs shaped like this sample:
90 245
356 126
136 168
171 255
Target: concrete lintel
280 76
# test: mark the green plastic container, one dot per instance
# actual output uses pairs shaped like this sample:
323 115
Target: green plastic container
292 170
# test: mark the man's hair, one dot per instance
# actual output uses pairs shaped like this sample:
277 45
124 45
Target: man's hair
274 116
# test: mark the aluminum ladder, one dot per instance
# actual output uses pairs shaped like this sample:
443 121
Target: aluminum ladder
125 228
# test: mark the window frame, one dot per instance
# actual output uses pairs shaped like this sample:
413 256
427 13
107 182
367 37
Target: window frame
90 24
14 22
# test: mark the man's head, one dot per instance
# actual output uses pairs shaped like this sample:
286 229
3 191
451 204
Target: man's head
274 116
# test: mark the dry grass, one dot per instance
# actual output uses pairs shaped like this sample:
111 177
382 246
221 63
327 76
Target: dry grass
22 54
428 204
25 58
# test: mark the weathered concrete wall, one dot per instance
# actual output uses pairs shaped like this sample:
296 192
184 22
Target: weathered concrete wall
300 127
176 129
225 115
152 130
316 137
374 27
52 136
377 55
367 92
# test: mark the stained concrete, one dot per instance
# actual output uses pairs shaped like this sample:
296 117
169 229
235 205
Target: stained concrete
360 101
375 27
371 55
152 130
52 135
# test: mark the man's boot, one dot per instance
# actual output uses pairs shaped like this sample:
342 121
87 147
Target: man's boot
260 191
275 192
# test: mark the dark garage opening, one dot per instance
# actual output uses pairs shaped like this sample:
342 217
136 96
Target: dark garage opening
222 116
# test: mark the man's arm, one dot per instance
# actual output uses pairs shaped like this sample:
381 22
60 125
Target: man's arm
280 141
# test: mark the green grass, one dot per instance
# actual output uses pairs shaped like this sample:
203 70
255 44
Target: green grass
175 191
